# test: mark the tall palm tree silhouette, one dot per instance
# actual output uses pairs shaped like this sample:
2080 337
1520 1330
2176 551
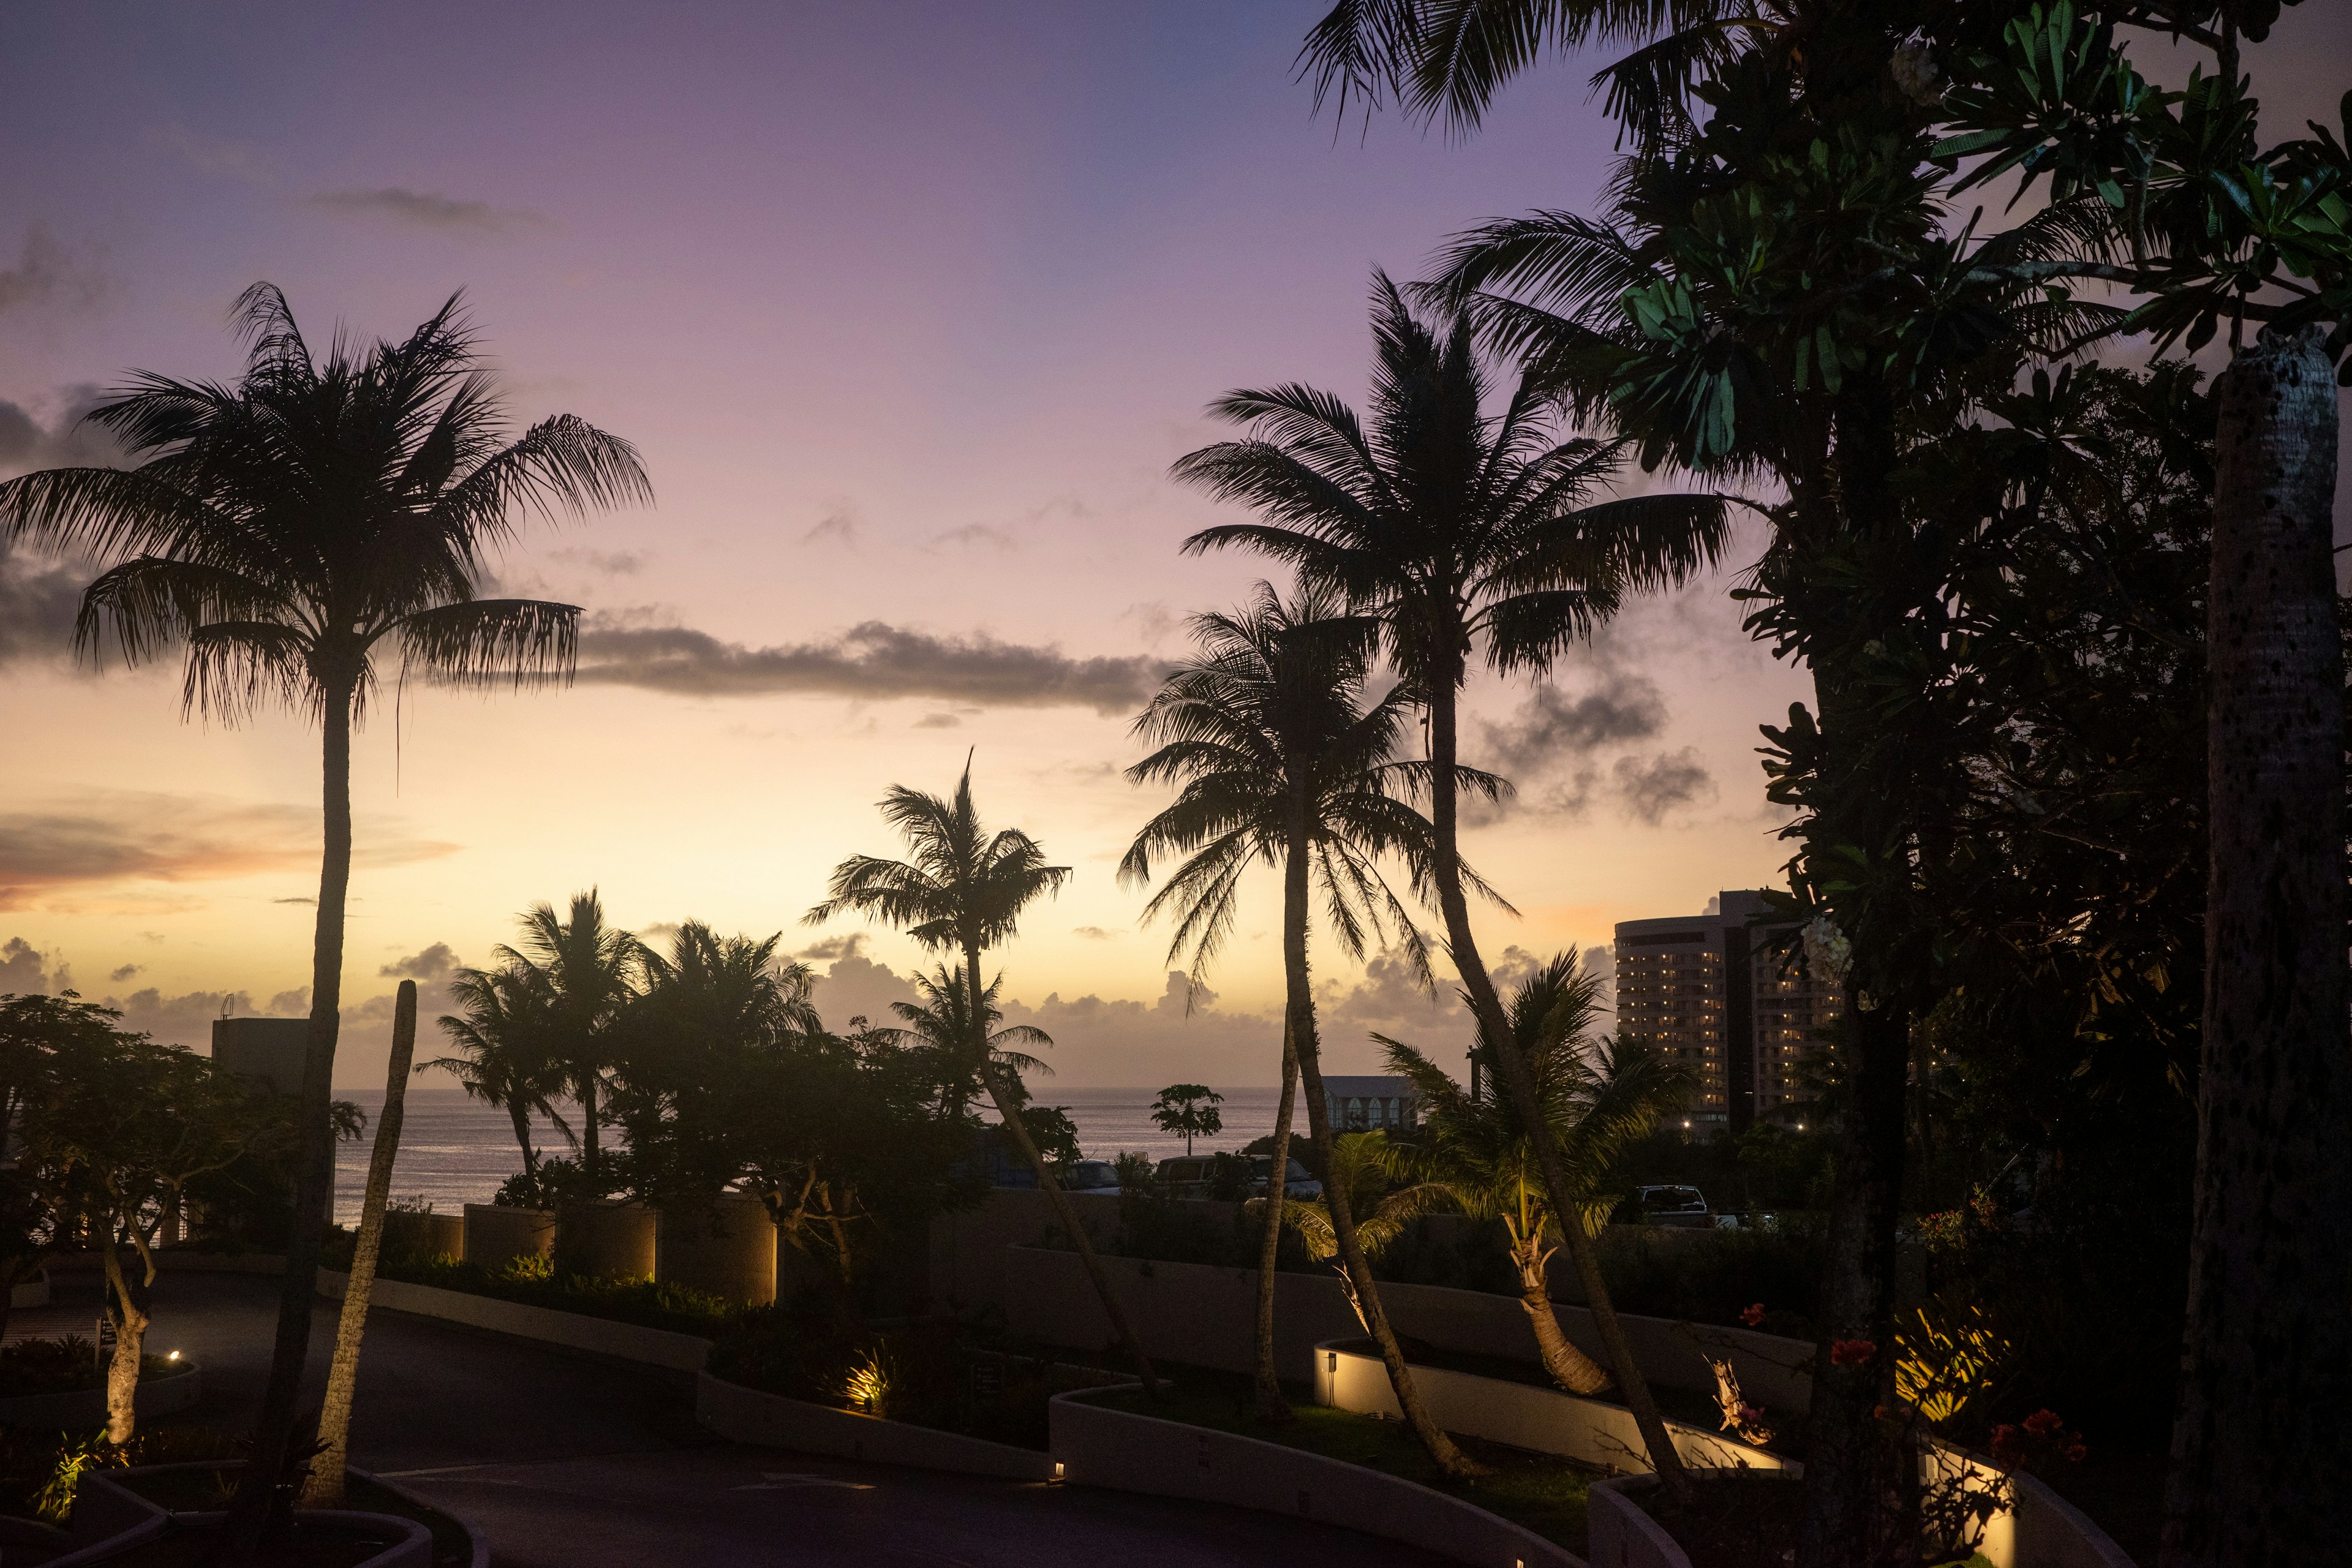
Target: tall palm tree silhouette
504 1057
1461 534
1597 1099
588 973
1286 762
962 890
282 534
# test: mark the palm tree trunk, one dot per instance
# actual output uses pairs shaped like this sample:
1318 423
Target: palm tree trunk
1569 1367
1301 1030
273 1431
2267 1362
1511 1069
588 1130
519 1114
1019 1133
1272 1409
325 1488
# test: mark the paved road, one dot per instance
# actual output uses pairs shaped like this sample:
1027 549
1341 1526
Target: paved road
583 1464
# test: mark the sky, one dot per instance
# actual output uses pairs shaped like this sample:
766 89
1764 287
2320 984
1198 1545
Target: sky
908 308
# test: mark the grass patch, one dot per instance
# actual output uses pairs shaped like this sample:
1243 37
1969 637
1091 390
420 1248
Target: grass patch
67 1365
1540 1492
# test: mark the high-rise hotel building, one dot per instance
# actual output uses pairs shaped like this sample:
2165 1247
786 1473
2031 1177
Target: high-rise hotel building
1730 1001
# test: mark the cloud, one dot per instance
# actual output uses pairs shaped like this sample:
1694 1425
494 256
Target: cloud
434 964
124 973
858 987
114 836
1097 933
1647 791
832 947
214 155
427 209
871 660
839 525
974 535
26 970
1550 725
38 606
939 722
28 442
611 563
46 273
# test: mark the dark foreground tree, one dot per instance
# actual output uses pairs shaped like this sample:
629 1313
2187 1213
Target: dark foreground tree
288 533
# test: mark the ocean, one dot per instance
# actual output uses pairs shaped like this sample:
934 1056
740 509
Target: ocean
455 1150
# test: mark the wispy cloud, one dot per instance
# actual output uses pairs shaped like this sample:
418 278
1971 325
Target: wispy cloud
428 210
105 837
871 660
216 155
837 526
47 273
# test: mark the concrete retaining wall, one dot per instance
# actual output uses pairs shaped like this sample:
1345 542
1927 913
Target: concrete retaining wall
81 1407
746 1416
605 1240
1544 1420
1207 1317
573 1331
1129 1452
728 1250
33 1292
495 1236
426 1234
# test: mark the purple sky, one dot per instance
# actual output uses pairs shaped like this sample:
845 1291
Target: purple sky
908 308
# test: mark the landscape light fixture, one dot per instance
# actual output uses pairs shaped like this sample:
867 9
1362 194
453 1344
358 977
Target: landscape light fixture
173 1356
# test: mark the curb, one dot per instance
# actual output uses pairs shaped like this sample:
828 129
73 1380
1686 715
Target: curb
744 1414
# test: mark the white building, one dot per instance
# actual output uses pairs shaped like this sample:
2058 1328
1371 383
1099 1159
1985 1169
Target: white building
1361 1104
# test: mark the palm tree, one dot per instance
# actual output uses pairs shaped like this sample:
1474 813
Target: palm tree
962 890
287 530
587 973
501 1031
1458 532
1285 763
1364 1171
941 1028
1596 1100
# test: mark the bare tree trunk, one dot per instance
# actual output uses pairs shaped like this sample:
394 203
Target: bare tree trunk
1300 1031
588 1132
1272 1409
128 1310
2258 1445
1018 1131
1569 1367
1518 1083
273 1430
325 1486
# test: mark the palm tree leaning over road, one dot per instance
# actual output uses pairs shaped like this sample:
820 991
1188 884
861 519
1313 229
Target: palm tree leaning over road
1285 762
588 973
288 529
1381 1195
963 892
940 1026
1457 532
1597 1099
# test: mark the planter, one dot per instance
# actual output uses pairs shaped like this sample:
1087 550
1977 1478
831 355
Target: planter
1589 1431
605 1240
33 1292
728 1248
572 1331
1099 1447
424 1235
495 1236
118 1506
771 1420
81 1407
404 1543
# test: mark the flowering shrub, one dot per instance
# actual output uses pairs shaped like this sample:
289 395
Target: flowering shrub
1751 1316
2036 1442
1853 1352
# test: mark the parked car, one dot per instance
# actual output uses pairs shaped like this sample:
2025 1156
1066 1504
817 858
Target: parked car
1683 1207
1098 1176
1298 1182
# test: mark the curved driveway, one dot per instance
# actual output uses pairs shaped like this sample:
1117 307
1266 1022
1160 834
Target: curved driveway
571 1463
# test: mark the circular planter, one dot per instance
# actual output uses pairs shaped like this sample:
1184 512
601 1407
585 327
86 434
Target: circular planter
119 1517
87 1406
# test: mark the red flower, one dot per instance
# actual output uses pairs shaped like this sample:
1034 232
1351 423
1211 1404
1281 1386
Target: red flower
2004 1443
2042 1423
1751 1414
2078 1453
1751 1316
1851 1352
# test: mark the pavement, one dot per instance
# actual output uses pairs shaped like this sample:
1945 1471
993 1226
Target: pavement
565 1461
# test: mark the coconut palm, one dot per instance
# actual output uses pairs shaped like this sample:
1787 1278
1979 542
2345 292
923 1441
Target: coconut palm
288 532
587 973
1460 533
1286 762
1375 1180
1597 1098
941 1028
505 1059
962 890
